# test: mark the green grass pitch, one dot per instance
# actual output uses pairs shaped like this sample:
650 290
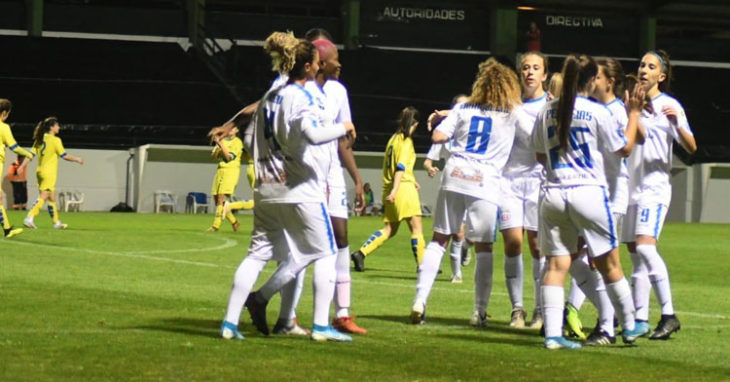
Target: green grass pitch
140 297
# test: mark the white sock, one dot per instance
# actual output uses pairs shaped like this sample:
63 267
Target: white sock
284 273
552 309
658 275
483 273
538 269
605 307
620 294
428 270
342 286
641 287
455 256
243 281
576 297
290 294
323 286
514 277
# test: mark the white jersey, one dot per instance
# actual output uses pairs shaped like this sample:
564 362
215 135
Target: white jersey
581 163
322 153
286 170
438 151
616 167
656 158
522 162
481 140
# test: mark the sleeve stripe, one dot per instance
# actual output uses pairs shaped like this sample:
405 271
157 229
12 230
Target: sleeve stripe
400 167
13 147
64 155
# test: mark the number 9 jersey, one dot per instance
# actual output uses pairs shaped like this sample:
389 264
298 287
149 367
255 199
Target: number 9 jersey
581 163
481 141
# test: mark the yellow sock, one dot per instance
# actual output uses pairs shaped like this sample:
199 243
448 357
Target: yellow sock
53 211
36 209
218 217
376 240
418 246
231 218
4 218
242 205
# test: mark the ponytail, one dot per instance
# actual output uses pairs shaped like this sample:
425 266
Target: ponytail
407 117
41 129
577 71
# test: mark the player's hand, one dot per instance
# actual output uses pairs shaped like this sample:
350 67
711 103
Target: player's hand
418 186
636 100
350 130
671 114
80 161
391 197
359 199
435 118
432 171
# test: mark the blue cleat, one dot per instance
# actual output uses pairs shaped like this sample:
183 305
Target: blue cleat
554 343
328 333
640 330
230 331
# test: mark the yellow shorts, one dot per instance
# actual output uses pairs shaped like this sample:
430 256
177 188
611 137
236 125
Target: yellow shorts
251 175
225 181
46 182
407 204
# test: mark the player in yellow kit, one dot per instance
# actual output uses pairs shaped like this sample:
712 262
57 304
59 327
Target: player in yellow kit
228 151
48 147
251 177
400 191
7 140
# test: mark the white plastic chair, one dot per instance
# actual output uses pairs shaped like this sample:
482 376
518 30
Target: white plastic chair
71 200
165 199
195 201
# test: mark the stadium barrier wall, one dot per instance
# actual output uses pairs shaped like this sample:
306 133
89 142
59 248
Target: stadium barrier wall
701 193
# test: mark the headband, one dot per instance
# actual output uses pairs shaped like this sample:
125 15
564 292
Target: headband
661 60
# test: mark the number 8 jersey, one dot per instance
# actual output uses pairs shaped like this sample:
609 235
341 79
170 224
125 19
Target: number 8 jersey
581 162
481 141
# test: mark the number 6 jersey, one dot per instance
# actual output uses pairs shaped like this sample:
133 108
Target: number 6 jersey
481 141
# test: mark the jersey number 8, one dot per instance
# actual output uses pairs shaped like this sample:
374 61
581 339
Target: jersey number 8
479 131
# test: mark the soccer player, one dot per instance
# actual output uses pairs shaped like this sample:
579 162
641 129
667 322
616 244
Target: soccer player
566 138
48 147
7 140
521 186
400 191
481 132
228 151
650 195
291 221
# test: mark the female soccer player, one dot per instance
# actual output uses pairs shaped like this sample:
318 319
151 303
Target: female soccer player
48 146
400 191
7 140
567 136
481 132
520 186
291 219
228 151
650 198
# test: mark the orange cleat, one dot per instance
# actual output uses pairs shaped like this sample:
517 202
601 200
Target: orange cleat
347 325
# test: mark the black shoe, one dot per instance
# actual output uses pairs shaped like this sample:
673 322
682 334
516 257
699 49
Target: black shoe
600 338
667 325
465 255
257 311
359 260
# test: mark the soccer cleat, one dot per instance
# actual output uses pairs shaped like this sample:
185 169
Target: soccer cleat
465 255
359 260
28 222
555 343
10 232
257 311
292 329
229 331
347 325
456 279
572 321
211 229
477 320
667 325
518 317
236 226
418 313
328 333
537 319
643 326
59 225
599 337
629 336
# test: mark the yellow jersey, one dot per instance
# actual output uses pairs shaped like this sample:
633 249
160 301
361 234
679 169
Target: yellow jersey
48 153
7 140
399 156
235 148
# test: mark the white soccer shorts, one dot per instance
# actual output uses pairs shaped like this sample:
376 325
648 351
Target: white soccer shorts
519 203
643 219
453 209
